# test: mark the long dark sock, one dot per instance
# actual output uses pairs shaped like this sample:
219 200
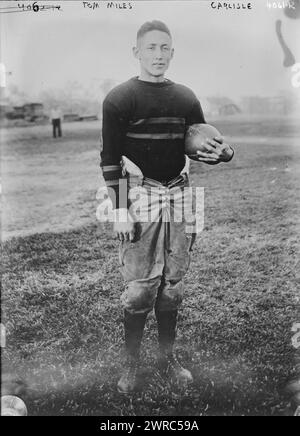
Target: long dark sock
166 322
134 327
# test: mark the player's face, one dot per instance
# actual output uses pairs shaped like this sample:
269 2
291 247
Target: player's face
154 52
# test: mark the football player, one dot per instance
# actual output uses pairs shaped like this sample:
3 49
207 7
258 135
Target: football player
143 132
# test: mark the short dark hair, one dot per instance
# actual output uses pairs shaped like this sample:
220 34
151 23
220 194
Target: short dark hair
152 25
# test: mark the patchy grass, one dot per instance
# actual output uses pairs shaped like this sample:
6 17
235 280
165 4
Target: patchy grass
61 308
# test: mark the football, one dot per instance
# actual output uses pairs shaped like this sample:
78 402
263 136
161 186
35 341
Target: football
196 136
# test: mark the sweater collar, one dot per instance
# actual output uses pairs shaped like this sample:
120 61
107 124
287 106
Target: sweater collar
166 82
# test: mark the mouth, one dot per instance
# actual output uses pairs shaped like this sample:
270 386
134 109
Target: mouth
159 65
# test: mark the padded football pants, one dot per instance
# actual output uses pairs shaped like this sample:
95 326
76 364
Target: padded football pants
154 264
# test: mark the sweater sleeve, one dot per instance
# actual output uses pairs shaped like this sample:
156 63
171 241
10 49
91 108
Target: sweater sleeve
196 115
113 134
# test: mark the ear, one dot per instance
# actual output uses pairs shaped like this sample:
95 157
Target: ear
172 53
135 52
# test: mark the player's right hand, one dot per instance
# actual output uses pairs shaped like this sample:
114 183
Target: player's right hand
124 225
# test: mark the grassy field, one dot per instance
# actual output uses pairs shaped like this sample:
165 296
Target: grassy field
61 285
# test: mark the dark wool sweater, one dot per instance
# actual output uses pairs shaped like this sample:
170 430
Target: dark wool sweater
146 122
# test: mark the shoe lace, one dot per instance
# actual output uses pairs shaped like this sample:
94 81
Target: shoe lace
173 364
131 369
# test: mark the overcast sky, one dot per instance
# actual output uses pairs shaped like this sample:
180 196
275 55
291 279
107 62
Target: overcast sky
233 52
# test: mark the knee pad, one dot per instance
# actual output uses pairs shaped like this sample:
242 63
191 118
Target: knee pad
139 295
171 296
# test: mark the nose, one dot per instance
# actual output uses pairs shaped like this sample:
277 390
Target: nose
158 53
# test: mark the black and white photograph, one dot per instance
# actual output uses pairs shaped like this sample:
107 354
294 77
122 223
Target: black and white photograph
150 234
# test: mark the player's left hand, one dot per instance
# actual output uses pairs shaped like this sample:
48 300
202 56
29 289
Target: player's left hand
220 150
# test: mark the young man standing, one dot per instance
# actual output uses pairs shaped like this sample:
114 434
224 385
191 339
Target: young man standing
144 125
56 121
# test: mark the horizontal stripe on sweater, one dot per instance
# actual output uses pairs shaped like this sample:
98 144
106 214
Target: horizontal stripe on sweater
155 135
